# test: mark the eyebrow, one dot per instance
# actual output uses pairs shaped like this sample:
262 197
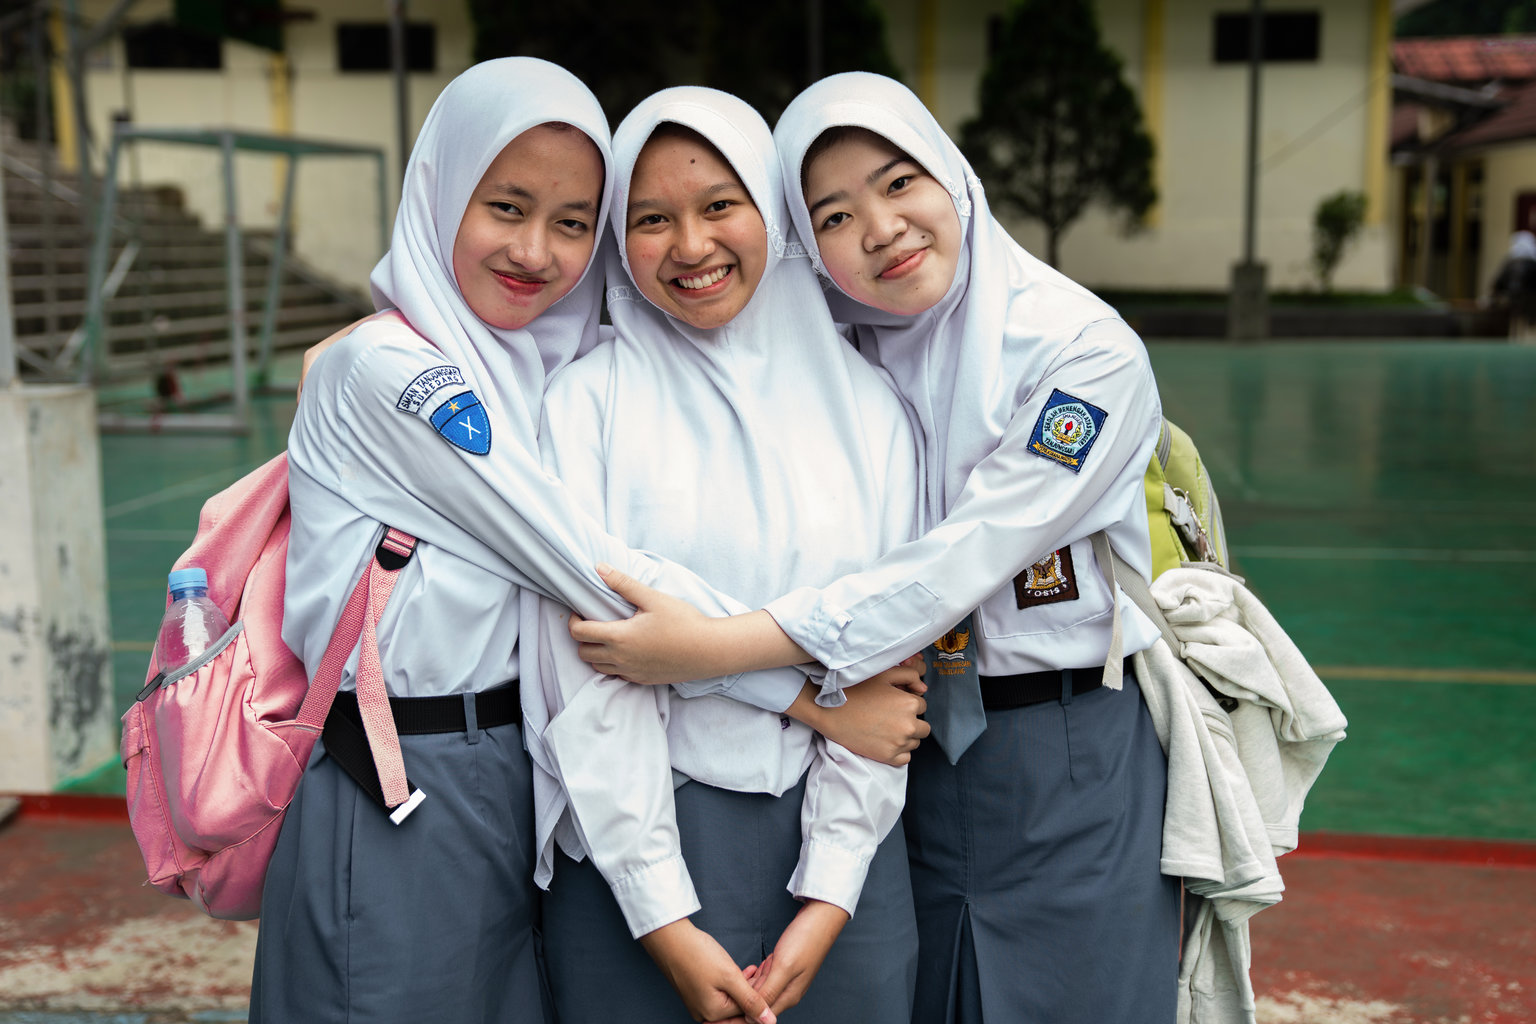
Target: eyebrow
713 190
873 176
518 192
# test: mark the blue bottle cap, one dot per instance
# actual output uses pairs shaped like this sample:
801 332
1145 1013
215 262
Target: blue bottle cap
181 579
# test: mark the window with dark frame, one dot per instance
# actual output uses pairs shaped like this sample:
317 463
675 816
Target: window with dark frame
166 45
1289 36
364 46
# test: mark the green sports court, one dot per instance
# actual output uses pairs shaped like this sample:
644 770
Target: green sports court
1379 496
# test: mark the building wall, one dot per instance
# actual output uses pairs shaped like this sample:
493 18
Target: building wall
1507 171
1314 124
336 199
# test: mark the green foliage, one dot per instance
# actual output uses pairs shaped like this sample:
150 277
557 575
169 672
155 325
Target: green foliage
1337 220
1057 127
1469 18
625 52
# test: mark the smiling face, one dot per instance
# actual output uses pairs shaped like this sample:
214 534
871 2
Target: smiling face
695 242
888 232
529 228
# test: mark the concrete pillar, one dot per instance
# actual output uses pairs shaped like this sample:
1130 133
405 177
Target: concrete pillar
57 719
1248 303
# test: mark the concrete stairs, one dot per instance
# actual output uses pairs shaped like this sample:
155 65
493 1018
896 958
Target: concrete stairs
170 307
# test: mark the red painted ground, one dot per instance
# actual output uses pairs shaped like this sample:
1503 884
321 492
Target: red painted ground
1371 931
1399 942
80 929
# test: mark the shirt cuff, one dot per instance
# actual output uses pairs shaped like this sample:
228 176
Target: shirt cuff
771 689
655 895
830 874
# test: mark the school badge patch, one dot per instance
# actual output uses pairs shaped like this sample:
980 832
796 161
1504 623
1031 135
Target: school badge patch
463 423
1066 430
1047 581
950 654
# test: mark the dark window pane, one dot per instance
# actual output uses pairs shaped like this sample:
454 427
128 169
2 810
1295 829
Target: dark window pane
1288 36
364 46
161 44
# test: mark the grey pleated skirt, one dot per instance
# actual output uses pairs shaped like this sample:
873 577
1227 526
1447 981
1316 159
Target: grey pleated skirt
1035 869
431 920
741 849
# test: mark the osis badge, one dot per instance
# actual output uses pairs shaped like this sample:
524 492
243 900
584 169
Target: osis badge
1047 581
463 423
1066 430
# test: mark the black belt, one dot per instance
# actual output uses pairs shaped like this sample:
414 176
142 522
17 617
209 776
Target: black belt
347 742
417 716
998 693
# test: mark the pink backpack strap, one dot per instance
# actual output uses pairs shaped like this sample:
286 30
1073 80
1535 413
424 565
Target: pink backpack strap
359 622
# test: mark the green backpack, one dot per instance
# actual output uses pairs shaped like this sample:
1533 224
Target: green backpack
1183 516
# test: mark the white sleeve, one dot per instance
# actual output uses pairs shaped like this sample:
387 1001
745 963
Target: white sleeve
1015 508
851 804
608 743
501 509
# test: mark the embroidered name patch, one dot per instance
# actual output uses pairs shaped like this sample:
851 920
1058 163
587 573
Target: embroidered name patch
1066 430
429 383
1047 581
463 423
950 651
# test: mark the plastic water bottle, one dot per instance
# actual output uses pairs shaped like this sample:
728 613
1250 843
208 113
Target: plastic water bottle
191 623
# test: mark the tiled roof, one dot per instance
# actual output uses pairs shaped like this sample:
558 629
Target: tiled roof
1516 121
1467 58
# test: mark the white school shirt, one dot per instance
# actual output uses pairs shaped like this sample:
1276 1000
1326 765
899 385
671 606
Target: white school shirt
362 453
437 438
1014 350
619 748
1014 510
762 453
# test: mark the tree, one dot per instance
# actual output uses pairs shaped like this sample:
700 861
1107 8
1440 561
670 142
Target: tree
625 52
1335 223
1469 18
1058 128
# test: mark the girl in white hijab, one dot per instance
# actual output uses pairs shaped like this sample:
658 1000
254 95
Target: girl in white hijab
1034 824
423 419
728 427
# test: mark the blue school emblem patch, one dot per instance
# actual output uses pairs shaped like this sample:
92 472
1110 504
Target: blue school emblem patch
463 423
1066 430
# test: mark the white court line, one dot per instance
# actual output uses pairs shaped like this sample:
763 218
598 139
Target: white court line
1384 554
1385 673
196 485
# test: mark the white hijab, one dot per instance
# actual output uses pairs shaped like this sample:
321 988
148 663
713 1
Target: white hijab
805 452
472 121
960 363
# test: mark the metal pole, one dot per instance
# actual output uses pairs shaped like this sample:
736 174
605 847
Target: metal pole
95 360
45 157
8 373
76 67
275 278
397 62
1255 63
1248 301
383 202
236 268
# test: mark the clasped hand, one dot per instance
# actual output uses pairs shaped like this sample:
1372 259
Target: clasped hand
668 640
715 989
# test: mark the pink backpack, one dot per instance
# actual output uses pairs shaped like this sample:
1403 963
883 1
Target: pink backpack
214 752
